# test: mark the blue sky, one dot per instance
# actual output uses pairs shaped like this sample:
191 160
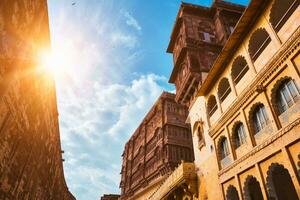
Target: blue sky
116 67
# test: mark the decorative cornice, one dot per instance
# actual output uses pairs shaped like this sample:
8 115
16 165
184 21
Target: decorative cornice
260 81
259 147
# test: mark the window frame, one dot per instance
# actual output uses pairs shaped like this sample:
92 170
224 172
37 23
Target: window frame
206 36
239 69
260 118
242 73
224 148
256 36
284 92
225 93
262 47
240 136
285 17
212 109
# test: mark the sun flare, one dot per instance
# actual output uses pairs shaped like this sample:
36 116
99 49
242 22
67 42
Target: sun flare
51 64
56 63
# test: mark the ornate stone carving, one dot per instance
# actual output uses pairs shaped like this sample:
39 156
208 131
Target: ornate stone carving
162 140
198 46
260 88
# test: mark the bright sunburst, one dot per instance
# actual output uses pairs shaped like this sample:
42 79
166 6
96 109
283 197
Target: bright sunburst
51 64
57 62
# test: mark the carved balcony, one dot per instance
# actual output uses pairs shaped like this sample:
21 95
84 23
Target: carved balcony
184 176
186 89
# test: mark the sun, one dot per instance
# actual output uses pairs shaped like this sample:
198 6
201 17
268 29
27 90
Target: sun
54 63
63 61
49 63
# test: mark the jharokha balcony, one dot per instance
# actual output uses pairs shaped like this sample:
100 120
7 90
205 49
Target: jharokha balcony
187 88
180 184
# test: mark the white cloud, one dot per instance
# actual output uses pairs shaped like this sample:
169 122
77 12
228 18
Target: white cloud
98 109
131 21
95 128
122 39
138 97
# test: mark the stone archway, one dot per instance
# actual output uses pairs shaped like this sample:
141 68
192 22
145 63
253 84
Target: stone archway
232 193
252 190
187 197
279 183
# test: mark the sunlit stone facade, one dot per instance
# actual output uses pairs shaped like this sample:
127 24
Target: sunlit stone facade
30 152
245 113
160 143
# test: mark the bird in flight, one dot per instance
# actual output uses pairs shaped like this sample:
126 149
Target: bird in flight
74 3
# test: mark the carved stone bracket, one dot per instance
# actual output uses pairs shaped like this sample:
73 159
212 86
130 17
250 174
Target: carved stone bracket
260 88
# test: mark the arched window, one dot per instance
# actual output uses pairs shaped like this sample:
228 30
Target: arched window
199 132
239 135
239 69
252 190
287 94
281 11
224 89
279 176
259 40
224 148
260 118
231 193
201 141
211 105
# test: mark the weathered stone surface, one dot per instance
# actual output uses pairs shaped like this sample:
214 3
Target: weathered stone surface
30 153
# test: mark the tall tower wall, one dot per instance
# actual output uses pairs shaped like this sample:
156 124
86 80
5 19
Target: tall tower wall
30 151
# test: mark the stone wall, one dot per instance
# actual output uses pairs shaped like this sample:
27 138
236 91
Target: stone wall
30 151
265 158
